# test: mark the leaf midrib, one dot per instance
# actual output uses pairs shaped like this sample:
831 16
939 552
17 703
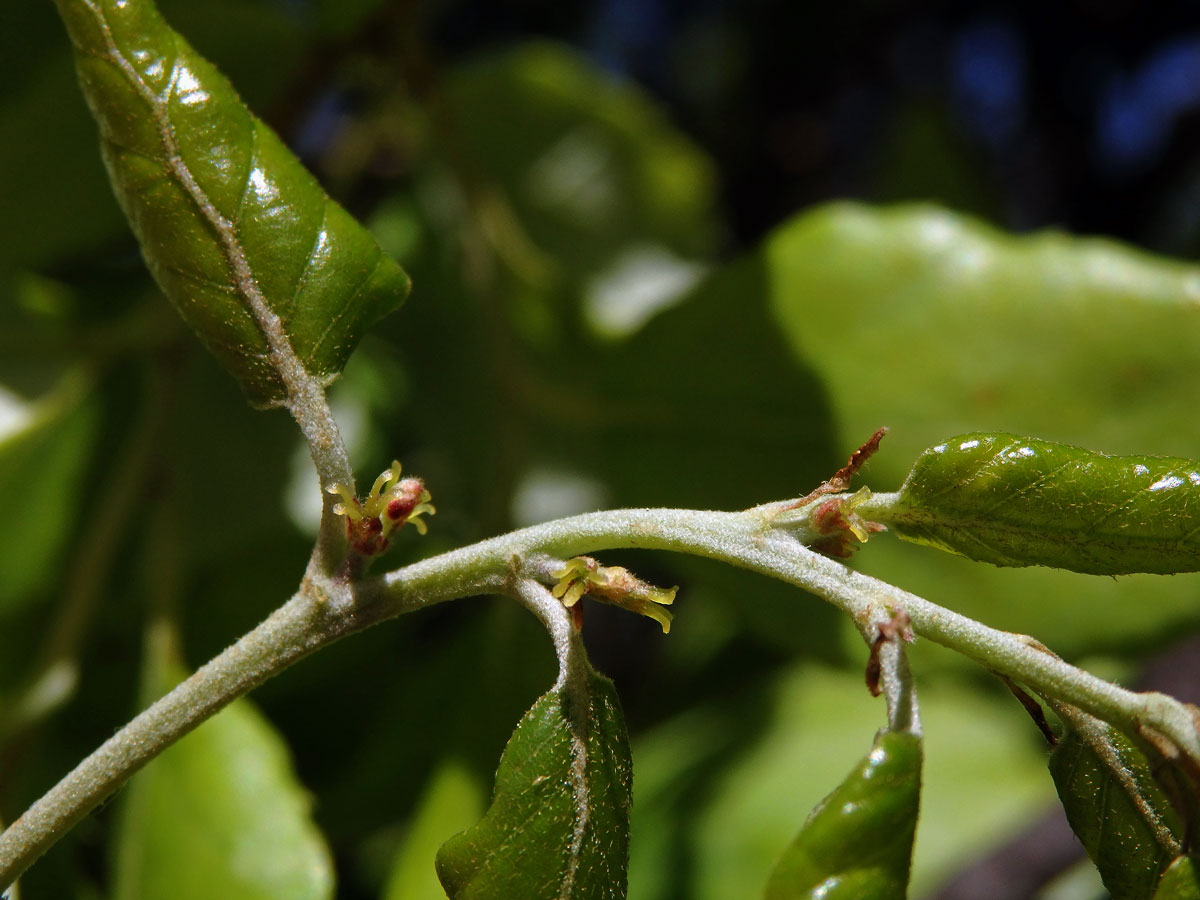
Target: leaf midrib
296 380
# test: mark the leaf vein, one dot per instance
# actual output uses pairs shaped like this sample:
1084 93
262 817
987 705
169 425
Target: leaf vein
296 381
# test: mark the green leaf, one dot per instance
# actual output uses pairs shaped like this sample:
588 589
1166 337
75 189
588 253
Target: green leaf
1015 501
41 472
275 278
1179 882
558 826
727 821
1118 811
220 814
592 168
453 801
858 842
934 323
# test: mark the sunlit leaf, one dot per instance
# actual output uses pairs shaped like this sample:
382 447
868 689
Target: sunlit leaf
220 814
558 826
453 802
1016 501
857 843
1179 882
268 271
1123 821
933 323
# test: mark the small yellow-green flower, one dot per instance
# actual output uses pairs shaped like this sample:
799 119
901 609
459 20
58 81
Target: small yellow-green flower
391 502
841 525
615 585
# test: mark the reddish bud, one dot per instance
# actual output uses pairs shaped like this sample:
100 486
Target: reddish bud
829 519
391 503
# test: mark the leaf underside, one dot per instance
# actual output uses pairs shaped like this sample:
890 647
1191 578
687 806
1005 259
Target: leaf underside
1114 831
276 279
558 826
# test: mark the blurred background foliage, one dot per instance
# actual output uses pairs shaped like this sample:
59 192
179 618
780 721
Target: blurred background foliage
627 292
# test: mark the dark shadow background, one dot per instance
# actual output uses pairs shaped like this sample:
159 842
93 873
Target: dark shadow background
1082 115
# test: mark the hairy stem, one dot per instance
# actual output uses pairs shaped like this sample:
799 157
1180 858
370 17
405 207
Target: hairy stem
284 637
325 610
751 540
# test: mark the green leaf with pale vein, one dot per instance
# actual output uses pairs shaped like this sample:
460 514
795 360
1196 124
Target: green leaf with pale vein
558 826
857 844
1121 821
275 278
220 814
1016 501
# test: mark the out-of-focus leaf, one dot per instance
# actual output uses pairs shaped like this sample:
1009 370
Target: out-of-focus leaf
590 166
858 842
41 468
220 814
1016 501
453 802
1179 882
1117 834
259 262
934 324
558 826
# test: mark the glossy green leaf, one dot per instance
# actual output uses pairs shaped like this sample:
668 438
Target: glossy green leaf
558 826
1016 501
729 821
221 814
1179 882
934 323
267 270
857 844
41 473
1113 816
453 801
